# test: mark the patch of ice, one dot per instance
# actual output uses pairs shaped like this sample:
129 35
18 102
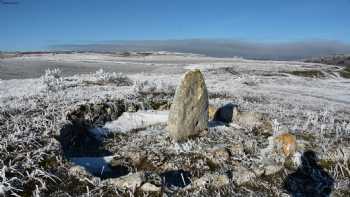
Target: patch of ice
95 165
129 121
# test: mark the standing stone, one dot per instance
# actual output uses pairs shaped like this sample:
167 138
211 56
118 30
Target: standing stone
189 112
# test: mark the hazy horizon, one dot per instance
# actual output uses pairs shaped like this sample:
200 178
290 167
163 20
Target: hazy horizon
220 48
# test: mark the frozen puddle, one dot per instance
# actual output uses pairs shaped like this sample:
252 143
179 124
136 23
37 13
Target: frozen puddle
129 121
97 162
99 166
95 165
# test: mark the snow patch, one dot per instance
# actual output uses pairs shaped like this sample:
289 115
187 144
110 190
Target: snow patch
129 121
95 165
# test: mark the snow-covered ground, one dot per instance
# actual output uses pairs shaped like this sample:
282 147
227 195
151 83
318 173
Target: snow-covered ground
268 79
33 107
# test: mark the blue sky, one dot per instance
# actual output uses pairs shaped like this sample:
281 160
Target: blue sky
37 24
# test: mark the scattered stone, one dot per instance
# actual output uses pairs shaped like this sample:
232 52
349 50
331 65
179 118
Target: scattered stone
137 157
272 168
148 187
154 179
218 154
236 149
280 151
242 175
250 146
225 113
78 172
258 171
287 142
189 112
118 161
214 180
251 120
130 181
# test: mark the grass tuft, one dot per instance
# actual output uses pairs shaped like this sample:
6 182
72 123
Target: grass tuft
307 73
345 73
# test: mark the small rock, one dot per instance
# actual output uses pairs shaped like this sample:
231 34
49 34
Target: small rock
272 169
258 171
137 157
250 146
130 181
119 161
219 154
78 172
252 120
242 175
154 179
211 179
287 142
116 161
236 149
225 113
277 153
189 112
148 187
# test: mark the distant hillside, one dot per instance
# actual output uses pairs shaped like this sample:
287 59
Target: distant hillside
339 60
220 48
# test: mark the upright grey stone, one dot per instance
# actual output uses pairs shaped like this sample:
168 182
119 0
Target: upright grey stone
189 112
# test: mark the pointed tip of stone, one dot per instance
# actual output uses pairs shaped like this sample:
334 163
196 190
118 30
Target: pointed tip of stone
194 71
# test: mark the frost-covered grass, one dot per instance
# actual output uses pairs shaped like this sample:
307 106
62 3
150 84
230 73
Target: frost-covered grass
345 72
53 79
153 87
101 77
